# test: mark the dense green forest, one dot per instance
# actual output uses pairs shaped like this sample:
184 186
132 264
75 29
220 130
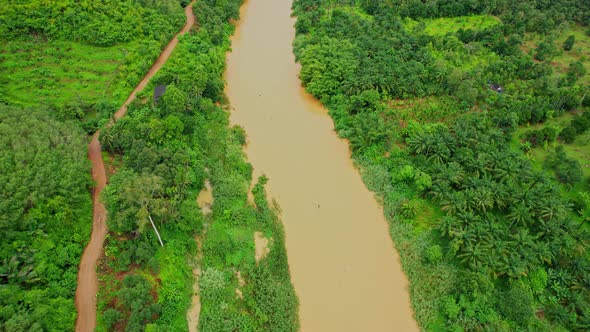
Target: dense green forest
167 151
469 120
45 219
100 23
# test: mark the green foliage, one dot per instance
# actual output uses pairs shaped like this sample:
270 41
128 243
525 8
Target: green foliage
539 137
568 44
490 225
45 219
76 57
576 70
102 23
566 170
538 281
434 254
545 51
323 79
138 197
135 306
568 134
166 148
516 303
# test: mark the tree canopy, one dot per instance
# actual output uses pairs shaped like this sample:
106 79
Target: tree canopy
101 23
486 232
45 219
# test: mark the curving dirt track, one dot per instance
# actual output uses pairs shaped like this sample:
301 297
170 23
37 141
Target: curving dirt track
87 279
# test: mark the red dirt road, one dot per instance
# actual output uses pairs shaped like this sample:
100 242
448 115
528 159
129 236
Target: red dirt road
87 278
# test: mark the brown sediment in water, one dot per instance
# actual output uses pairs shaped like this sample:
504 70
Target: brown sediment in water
344 267
87 279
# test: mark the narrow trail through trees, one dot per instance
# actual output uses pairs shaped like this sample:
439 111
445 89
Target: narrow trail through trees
87 278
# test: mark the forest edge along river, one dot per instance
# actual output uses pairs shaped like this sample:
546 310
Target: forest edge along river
343 264
344 267
87 280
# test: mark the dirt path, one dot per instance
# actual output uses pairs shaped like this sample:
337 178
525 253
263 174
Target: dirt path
87 279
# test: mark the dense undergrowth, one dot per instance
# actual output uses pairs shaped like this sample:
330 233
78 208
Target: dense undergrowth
169 149
100 23
45 219
436 103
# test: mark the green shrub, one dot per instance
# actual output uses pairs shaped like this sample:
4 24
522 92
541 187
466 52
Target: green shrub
568 134
516 304
545 51
434 254
568 44
111 318
538 280
408 209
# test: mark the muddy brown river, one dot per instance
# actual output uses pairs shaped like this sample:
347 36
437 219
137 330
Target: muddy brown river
344 267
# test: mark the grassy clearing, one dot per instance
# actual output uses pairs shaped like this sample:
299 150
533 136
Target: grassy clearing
578 150
562 60
63 73
445 25
352 10
429 109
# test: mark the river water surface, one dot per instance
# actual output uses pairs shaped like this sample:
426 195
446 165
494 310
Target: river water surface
343 264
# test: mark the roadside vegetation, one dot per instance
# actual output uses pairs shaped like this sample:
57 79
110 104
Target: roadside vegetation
65 67
169 148
477 149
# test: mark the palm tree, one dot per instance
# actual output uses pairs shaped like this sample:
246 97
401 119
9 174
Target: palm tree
439 190
516 267
472 255
455 173
474 230
519 214
543 252
420 143
439 154
451 226
498 253
553 209
454 202
480 198
499 194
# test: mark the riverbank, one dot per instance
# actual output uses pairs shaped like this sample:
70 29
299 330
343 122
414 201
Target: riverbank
171 149
344 267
